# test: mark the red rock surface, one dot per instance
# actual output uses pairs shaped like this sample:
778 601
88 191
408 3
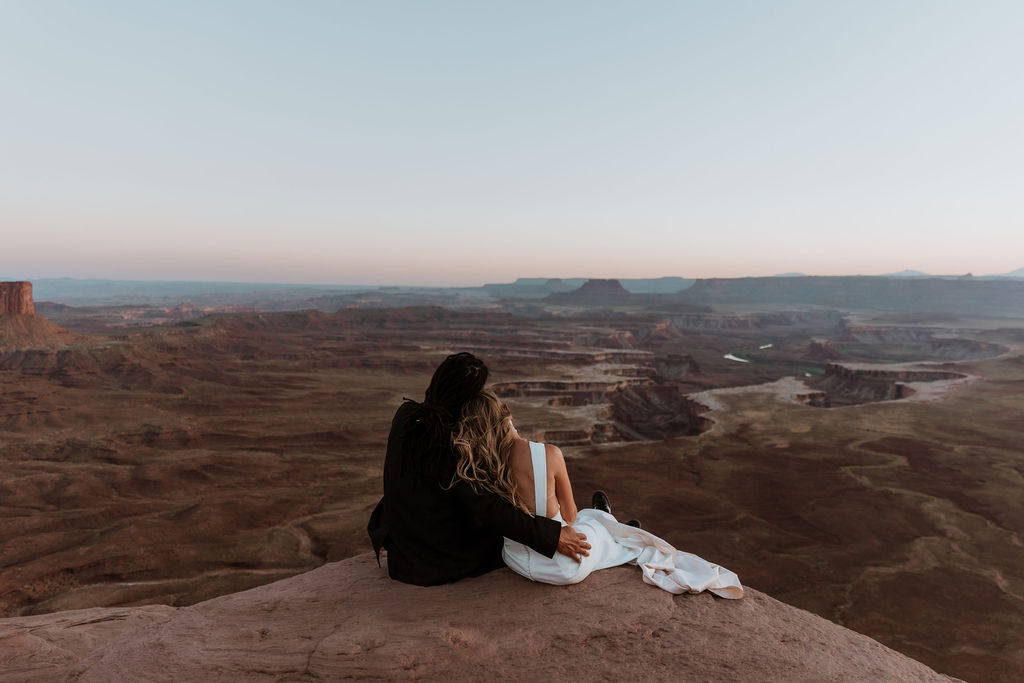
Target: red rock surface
348 620
21 327
16 298
29 330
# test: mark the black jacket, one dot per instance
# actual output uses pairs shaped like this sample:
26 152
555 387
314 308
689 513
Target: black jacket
434 535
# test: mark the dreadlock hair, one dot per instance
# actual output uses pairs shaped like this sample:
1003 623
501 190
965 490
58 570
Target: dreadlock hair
482 440
428 430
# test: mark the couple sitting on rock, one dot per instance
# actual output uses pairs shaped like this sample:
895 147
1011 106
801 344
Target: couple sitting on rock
465 494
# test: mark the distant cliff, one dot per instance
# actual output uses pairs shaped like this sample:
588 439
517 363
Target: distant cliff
593 292
597 287
348 620
16 298
931 295
537 287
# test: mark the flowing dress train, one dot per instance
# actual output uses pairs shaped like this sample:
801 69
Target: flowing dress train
611 544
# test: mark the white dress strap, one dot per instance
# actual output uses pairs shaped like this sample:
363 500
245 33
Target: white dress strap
540 478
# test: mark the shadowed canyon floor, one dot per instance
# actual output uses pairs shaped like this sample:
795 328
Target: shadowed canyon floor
174 464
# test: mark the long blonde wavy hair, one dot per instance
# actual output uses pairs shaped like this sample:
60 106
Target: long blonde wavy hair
483 439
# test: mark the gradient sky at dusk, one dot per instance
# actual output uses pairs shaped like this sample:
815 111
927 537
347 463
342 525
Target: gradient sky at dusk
471 142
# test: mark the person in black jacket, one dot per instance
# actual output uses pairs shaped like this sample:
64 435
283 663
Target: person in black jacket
435 528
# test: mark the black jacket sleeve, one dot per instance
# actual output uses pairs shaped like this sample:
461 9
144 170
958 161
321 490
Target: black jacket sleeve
496 513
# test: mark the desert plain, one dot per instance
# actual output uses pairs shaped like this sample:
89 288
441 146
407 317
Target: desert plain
863 464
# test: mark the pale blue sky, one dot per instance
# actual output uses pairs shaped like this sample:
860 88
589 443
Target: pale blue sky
470 142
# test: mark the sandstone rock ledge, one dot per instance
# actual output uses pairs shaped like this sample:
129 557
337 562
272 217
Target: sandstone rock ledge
348 620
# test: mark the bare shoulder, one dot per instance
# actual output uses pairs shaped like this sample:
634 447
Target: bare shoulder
521 450
553 455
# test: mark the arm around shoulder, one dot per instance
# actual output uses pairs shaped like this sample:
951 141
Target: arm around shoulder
496 513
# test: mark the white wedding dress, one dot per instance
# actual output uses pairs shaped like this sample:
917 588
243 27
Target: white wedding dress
612 544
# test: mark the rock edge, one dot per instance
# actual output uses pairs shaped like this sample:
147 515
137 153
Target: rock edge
347 619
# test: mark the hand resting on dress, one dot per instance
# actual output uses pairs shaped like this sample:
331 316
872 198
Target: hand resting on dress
573 544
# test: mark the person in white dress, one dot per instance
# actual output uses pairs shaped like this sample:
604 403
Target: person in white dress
493 457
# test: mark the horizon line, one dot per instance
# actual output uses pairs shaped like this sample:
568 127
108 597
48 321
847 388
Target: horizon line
904 273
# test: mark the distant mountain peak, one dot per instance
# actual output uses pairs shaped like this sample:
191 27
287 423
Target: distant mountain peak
908 273
556 284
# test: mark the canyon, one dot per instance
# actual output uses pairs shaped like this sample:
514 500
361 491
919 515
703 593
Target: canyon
861 468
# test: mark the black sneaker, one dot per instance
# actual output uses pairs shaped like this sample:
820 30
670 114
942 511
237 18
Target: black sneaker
636 523
599 501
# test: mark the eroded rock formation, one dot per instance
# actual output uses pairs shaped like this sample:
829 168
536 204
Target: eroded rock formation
20 326
655 412
676 366
850 385
964 349
871 334
593 292
581 392
821 350
824 319
16 298
596 286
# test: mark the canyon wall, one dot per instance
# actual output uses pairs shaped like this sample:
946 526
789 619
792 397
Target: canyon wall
698 321
842 385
